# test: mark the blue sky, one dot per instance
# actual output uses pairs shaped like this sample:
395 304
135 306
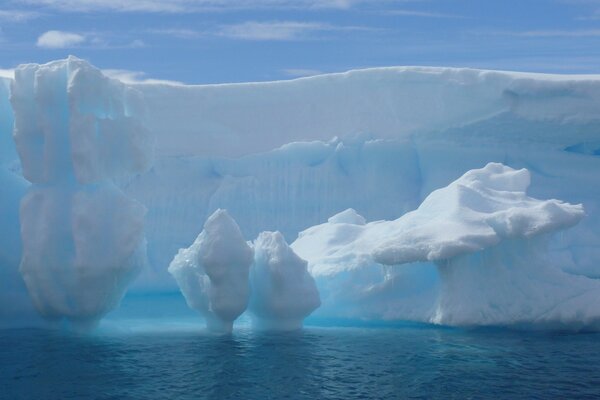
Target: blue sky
213 41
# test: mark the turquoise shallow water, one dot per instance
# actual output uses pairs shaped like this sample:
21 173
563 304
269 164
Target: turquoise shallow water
336 363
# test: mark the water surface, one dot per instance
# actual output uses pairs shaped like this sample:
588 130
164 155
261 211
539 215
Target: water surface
340 363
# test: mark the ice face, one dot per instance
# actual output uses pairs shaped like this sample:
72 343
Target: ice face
213 272
83 241
283 292
515 284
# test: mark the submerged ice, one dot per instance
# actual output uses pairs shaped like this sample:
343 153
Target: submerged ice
92 193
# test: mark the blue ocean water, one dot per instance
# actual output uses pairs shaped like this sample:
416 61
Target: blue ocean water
316 363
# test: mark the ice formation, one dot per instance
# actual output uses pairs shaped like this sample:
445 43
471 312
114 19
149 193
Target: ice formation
213 272
15 306
283 292
83 242
487 239
285 156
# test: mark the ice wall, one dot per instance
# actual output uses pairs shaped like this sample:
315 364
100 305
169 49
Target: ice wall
284 156
287 155
83 243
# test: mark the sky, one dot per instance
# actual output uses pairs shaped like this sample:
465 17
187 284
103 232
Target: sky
219 41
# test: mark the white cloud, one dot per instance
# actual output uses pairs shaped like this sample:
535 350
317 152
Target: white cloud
274 30
183 6
59 40
176 32
127 76
300 72
558 33
18 15
423 14
7 73
98 40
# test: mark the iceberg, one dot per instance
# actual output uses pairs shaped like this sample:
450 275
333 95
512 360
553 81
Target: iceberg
283 292
213 272
286 156
76 131
488 242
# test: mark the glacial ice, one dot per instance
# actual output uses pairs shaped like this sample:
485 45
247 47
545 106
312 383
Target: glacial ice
488 241
83 241
285 156
213 272
283 292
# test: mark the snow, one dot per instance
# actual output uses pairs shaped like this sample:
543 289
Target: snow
213 272
286 156
283 292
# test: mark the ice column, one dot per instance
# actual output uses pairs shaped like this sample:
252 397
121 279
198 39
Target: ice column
283 292
213 272
83 242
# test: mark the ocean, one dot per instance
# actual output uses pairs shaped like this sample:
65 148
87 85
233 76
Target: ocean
169 361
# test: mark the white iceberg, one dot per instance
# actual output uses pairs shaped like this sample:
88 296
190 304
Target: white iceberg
283 292
213 272
487 240
76 131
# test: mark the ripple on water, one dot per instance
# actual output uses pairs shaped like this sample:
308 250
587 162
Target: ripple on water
372 363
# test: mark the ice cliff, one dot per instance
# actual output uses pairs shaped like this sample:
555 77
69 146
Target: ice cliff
285 156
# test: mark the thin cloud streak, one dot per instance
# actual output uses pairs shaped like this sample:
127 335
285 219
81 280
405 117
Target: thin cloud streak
557 33
281 30
277 30
177 33
18 15
187 6
136 77
422 14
